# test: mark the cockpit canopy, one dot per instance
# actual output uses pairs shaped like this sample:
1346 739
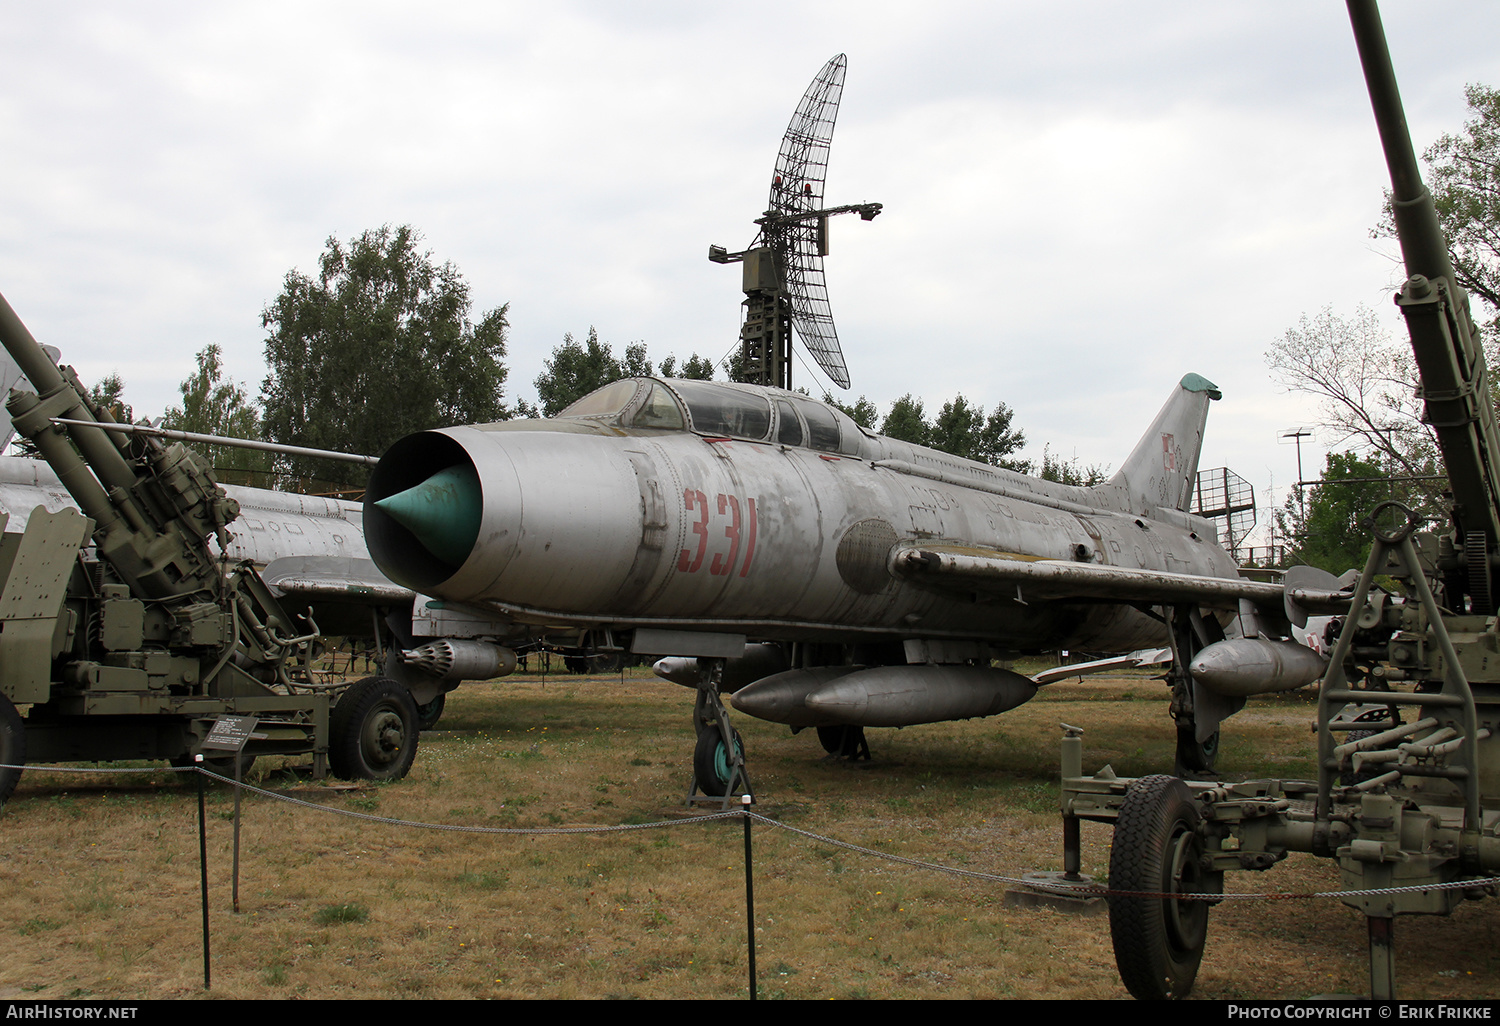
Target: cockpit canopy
721 410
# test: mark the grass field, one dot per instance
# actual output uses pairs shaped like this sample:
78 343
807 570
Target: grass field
99 877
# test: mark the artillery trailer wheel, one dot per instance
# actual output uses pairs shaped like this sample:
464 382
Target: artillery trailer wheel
1194 757
429 714
711 763
1158 941
12 747
372 733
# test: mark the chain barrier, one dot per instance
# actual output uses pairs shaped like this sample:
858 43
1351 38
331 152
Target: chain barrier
1096 891
1065 890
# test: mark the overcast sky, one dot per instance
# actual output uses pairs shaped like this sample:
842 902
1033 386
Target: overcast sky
1083 200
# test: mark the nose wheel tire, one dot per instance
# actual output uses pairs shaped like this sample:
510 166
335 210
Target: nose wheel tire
12 747
373 731
711 762
1159 941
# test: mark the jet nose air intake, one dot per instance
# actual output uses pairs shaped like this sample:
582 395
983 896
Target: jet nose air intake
443 512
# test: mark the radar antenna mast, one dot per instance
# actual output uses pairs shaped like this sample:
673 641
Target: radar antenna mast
783 267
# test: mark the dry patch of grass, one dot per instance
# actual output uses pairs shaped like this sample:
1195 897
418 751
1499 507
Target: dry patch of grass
99 882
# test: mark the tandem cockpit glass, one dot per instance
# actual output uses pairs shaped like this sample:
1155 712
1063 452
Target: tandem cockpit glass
720 410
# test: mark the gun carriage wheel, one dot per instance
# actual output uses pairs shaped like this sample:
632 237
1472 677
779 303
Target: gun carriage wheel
372 732
12 747
1159 941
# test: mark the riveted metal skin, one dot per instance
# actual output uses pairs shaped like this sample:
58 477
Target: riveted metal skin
589 524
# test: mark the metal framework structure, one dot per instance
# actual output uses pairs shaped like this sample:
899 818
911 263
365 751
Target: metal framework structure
1408 742
1224 497
783 276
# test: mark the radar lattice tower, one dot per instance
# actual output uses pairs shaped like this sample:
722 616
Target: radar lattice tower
783 267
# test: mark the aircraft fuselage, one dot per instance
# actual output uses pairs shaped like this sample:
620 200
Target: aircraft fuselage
587 523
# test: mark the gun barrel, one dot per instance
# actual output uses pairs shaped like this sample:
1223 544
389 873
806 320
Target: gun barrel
150 523
1423 245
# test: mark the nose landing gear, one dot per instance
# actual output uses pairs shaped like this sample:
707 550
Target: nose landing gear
719 756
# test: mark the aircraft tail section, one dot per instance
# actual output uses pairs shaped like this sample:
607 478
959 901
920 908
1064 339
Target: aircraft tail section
1164 466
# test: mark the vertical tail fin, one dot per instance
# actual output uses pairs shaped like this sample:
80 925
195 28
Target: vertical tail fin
1164 466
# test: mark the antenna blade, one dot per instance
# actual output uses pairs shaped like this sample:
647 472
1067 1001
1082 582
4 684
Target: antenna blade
802 163
812 317
801 169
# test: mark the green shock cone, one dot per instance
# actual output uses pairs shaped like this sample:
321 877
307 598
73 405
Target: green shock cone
443 512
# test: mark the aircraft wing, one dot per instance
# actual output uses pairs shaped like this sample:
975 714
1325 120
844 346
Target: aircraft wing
968 569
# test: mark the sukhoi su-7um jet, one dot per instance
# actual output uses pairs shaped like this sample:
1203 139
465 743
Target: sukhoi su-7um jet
764 544
828 576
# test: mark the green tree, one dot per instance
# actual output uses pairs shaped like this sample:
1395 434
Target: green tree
863 412
696 367
907 421
575 370
957 428
1463 174
962 429
999 441
377 346
1365 381
214 406
1331 534
635 364
108 393
1068 472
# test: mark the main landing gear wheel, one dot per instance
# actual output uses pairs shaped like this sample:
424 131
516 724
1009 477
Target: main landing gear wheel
373 731
711 763
12 747
1159 940
845 741
429 714
1195 757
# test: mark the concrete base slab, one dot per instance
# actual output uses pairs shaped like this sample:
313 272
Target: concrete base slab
1051 891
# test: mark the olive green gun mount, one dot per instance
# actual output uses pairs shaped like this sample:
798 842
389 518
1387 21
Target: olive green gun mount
125 636
1407 798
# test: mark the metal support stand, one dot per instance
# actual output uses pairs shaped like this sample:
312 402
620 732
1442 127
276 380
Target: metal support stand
1050 888
749 894
1072 766
1382 958
239 772
203 863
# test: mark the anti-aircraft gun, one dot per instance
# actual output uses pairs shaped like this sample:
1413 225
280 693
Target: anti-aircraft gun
1408 791
126 637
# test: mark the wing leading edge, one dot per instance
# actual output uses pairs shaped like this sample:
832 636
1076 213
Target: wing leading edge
967 569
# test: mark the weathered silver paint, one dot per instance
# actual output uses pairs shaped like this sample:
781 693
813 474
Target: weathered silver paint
897 696
754 663
459 659
782 697
272 525
1256 666
587 523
